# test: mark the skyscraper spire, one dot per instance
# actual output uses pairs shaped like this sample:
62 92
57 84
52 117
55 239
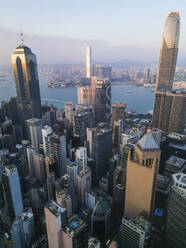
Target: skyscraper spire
21 38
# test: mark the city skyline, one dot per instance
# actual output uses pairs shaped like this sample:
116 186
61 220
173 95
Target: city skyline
120 33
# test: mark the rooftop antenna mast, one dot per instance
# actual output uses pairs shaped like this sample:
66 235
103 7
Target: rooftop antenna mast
21 37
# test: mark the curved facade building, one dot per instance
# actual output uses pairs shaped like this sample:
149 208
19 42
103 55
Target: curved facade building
169 107
176 214
168 52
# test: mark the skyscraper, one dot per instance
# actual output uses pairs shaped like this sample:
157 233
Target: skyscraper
46 132
118 112
12 191
58 148
176 214
88 61
102 71
142 167
169 108
35 127
27 83
84 95
101 99
168 52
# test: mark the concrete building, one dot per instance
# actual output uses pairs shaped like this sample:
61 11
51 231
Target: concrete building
84 95
81 158
176 215
134 232
118 112
75 233
58 149
30 160
83 183
12 191
83 119
65 201
46 132
142 167
72 171
55 216
39 167
174 165
35 127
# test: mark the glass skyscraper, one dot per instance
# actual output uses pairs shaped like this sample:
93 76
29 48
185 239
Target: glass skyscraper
27 83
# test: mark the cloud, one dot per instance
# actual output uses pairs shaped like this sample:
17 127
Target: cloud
65 50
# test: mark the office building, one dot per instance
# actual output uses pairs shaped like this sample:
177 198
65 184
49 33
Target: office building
170 112
134 232
64 200
30 160
84 95
35 134
101 145
81 157
55 216
169 108
72 171
50 165
12 191
46 132
23 229
83 119
101 99
142 167
39 167
83 183
58 149
88 62
118 112
75 233
176 215
102 71
27 83
168 52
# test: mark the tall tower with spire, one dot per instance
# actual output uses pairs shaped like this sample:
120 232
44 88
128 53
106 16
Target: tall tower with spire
27 82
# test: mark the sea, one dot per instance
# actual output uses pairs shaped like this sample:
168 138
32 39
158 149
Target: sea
138 98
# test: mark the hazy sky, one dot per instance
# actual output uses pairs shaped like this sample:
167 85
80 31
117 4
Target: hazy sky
126 28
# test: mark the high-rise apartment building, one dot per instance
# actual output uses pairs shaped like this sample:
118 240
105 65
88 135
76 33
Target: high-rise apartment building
27 83
169 108
176 215
39 167
88 62
46 132
12 191
59 153
35 127
84 95
142 167
101 99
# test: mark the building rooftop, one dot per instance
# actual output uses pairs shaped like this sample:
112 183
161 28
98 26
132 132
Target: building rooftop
147 143
75 225
176 162
179 185
55 208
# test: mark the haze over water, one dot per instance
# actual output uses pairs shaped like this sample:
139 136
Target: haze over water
141 99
